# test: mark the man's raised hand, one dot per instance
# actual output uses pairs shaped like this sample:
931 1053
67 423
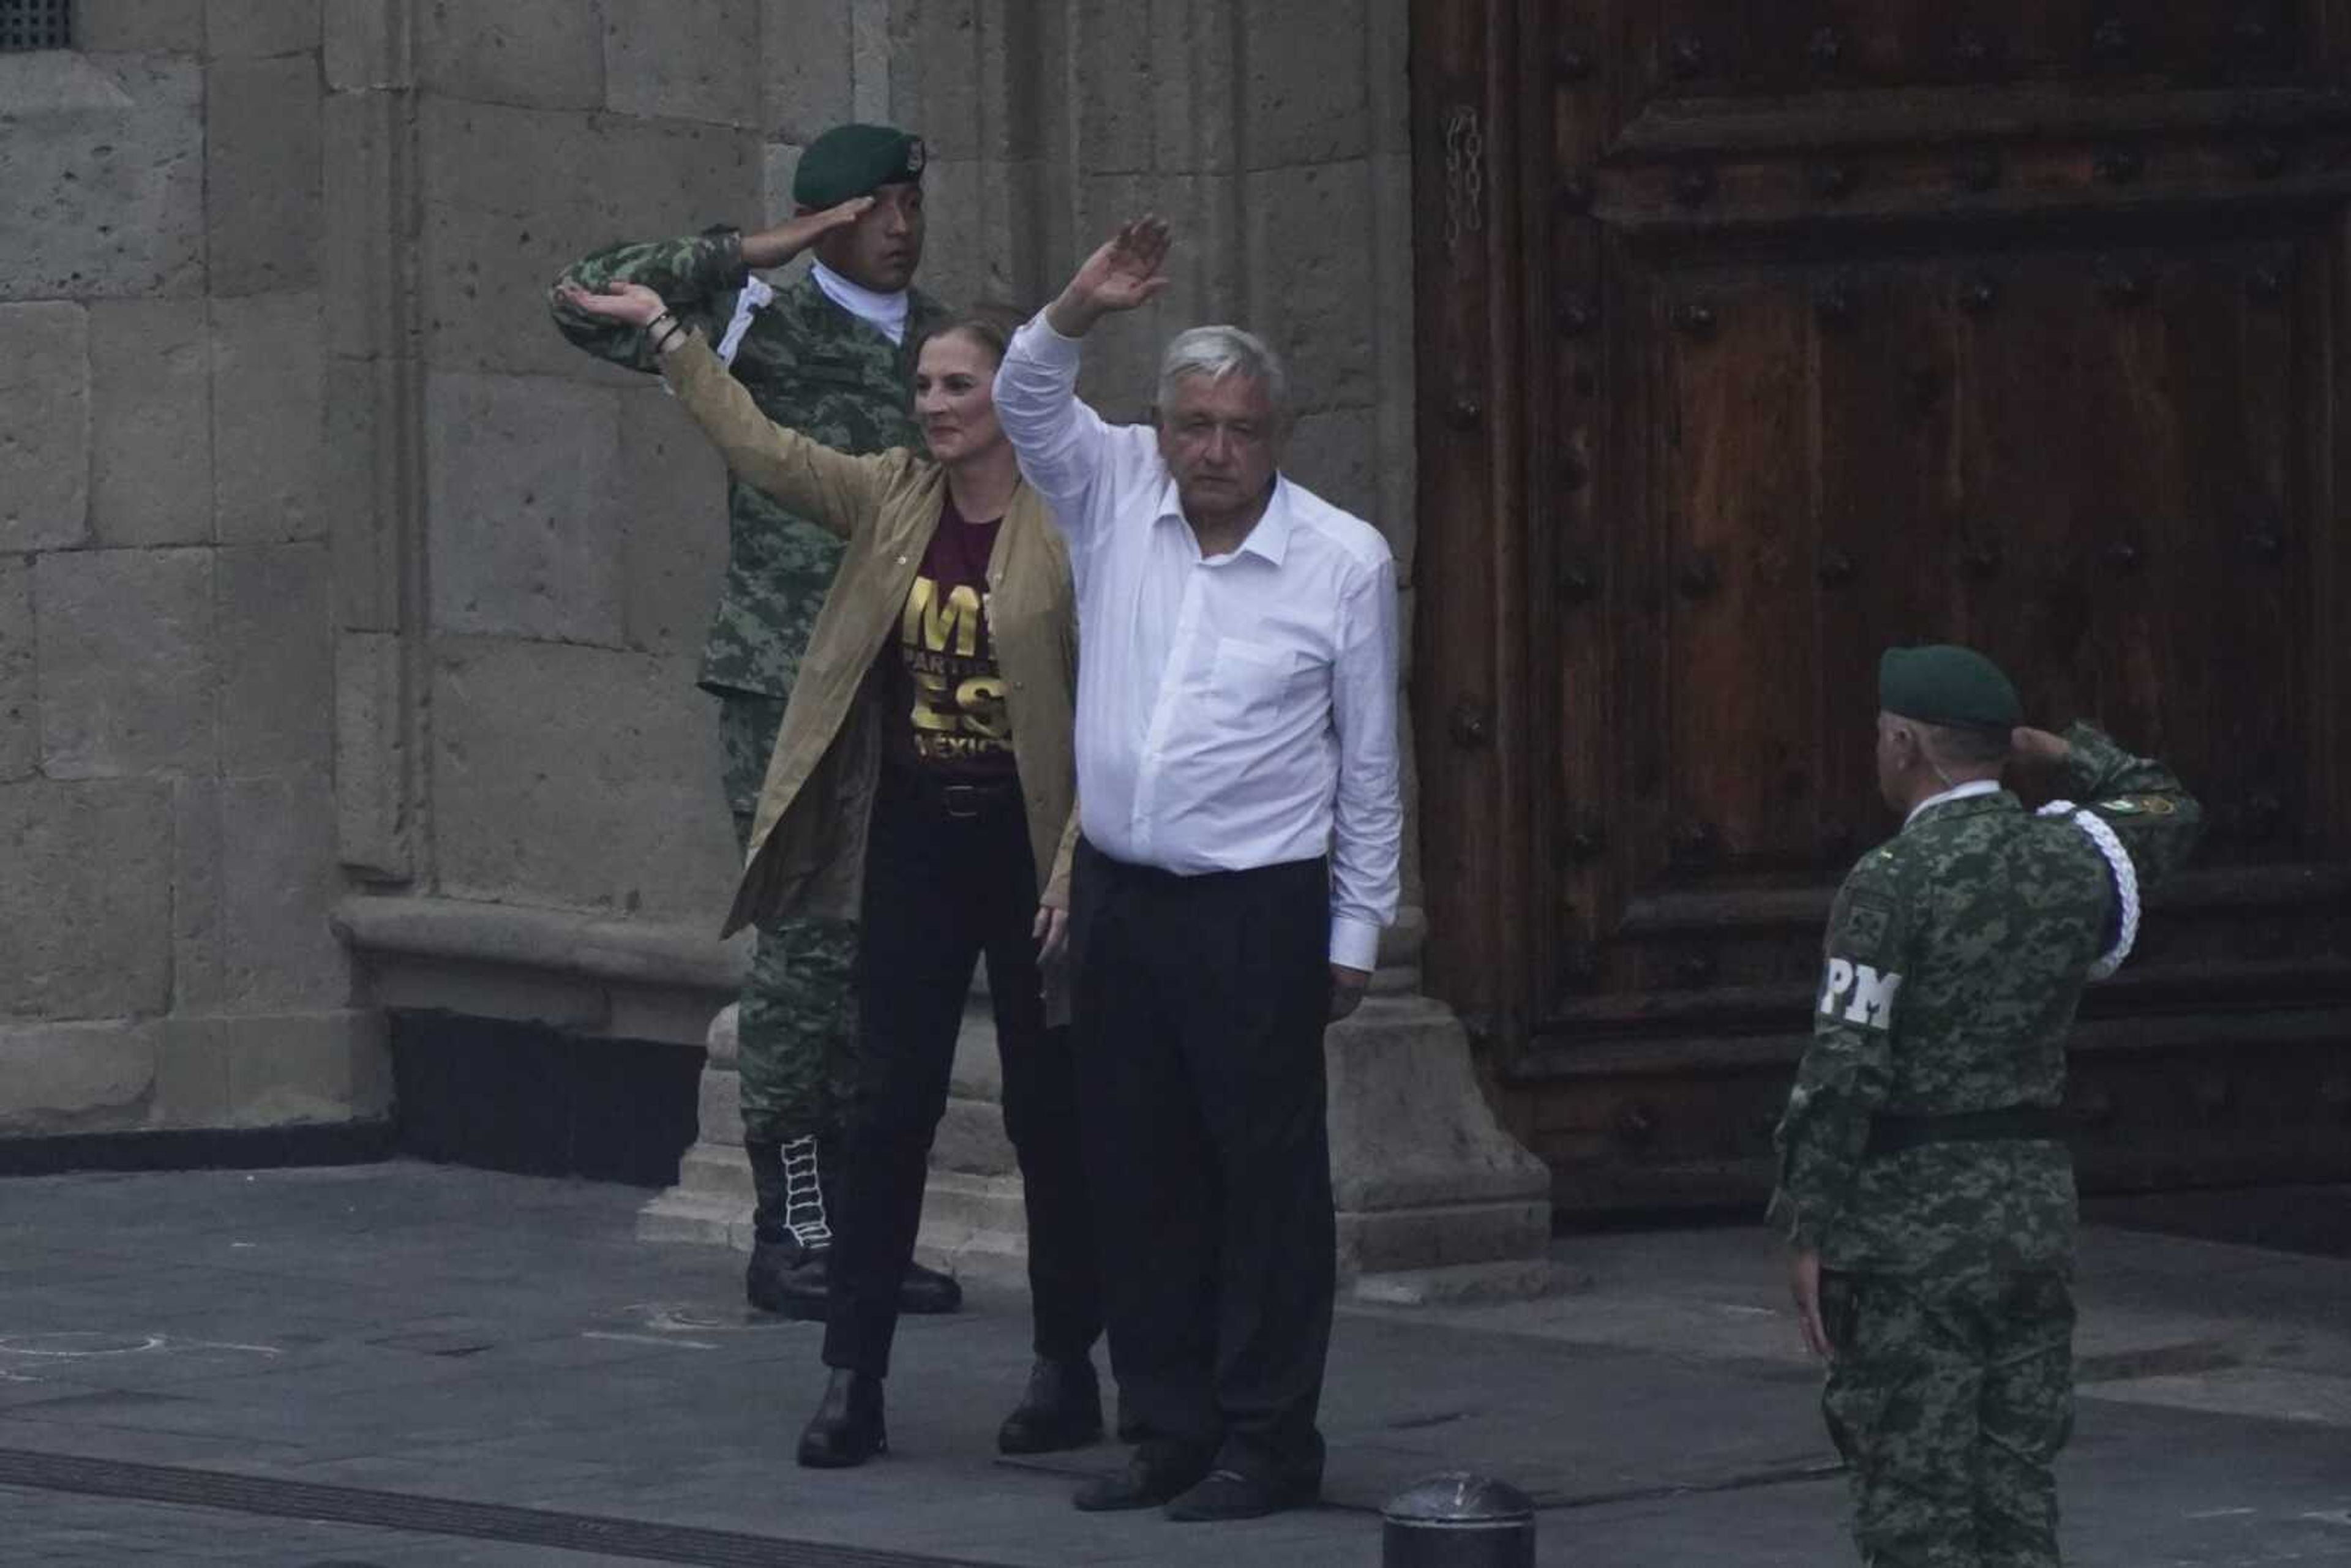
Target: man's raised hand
2038 747
1120 276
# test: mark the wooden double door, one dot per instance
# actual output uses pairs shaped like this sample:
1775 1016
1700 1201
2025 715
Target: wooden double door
1753 339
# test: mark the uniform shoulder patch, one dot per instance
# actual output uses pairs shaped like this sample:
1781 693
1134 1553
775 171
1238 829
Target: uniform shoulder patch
1863 929
2138 805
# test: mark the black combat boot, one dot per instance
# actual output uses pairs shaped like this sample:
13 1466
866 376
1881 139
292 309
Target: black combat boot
1062 1409
846 1429
924 1291
928 1290
788 1273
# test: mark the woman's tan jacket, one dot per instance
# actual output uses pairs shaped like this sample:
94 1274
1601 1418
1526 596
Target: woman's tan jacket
807 840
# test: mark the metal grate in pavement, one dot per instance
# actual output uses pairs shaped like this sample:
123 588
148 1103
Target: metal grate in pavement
26 24
645 1539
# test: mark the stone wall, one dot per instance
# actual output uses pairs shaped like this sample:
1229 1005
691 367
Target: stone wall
528 543
167 813
1274 137
340 596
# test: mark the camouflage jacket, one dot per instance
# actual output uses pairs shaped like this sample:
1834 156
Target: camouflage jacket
811 367
1957 953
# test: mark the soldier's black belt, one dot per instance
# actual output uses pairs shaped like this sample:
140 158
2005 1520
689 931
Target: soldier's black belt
1891 1134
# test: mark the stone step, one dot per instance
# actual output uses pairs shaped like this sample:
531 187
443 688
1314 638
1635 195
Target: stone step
1466 1284
1441 1235
1434 1200
1410 1127
974 1228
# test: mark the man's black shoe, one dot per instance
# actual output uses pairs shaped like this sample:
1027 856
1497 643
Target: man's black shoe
927 1291
847 1428
1062 1409
788 1278
1228 1494
1150 1478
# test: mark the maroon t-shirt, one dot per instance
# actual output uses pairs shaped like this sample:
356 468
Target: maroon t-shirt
946 696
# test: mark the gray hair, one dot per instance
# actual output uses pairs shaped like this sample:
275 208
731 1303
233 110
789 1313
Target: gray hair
1219 351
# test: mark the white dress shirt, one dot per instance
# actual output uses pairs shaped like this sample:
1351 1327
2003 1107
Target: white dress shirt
1233 710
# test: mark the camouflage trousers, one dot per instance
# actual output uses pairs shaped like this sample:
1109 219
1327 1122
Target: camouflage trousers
1949 1397
798 1024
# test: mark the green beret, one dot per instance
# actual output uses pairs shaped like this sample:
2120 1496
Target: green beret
1948 685
850 161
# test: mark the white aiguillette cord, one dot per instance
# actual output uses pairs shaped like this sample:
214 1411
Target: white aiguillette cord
755 293
2126 881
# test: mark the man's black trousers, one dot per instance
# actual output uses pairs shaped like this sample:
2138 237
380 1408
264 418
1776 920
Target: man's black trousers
1199 1005
949 878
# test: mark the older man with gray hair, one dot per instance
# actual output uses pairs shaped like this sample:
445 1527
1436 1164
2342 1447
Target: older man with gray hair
1238 797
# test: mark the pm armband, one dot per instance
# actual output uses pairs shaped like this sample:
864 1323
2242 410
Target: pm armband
1859 993
2126 875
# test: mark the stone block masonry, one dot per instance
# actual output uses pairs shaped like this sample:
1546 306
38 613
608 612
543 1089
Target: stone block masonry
44 425
86 905
517 468
261 174
168 817
115 27
344 607
517 193
126 661
267 418
252 28
587 776
20 722
151 375
540 54
661 61
101 176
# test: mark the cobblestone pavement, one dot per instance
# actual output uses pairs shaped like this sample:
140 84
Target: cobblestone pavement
401 1364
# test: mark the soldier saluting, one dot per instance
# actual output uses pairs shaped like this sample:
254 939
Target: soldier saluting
1924 1185
829 354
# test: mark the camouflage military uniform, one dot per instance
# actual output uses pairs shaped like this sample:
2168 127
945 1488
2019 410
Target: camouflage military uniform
1957 954
814 366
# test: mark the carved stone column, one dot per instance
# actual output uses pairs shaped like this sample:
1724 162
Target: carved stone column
713 1198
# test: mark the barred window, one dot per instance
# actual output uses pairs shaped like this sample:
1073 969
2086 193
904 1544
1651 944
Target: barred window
26 24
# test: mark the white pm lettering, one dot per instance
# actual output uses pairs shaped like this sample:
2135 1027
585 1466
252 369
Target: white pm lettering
1840 980
1872 1000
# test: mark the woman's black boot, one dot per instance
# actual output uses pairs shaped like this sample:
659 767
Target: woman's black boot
846 1429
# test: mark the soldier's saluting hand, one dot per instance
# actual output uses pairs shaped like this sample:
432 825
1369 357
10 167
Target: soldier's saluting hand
1925 1191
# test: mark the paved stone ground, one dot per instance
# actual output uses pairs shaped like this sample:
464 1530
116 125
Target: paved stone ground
378 1346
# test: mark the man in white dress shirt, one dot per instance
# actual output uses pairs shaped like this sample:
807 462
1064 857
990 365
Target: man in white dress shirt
1238 796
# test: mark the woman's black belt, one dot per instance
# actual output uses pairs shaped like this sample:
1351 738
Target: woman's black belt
961 797
1891 1134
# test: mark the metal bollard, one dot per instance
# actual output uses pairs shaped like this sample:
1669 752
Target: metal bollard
1458 1520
